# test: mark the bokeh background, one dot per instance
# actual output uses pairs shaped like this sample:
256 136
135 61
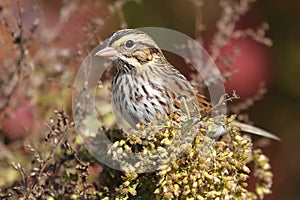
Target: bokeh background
278 66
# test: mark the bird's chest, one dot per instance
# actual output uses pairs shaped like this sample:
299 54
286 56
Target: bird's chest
139 99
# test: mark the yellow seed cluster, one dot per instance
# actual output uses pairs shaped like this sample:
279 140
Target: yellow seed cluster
207 169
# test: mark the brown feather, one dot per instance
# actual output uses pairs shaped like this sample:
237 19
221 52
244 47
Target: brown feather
203 102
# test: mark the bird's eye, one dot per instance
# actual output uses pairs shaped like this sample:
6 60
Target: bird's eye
129 43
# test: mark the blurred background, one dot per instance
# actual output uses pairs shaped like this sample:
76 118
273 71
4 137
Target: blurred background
277 66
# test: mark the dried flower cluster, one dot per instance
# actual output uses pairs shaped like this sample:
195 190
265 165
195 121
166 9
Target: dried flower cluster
207 169
59 174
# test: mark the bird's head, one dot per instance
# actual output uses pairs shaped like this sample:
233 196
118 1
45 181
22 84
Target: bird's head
131 47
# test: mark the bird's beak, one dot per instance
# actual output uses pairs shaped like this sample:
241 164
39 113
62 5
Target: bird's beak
107 52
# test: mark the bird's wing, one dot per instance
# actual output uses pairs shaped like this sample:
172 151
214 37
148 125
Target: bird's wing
178 84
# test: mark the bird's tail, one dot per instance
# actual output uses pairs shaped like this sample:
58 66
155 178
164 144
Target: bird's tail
255 130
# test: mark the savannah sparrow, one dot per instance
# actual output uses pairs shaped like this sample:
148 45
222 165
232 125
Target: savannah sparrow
145 85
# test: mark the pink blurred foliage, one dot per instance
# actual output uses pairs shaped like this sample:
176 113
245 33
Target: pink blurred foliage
250 66
20 121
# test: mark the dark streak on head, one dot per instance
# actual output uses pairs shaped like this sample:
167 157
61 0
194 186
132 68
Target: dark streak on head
119 34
